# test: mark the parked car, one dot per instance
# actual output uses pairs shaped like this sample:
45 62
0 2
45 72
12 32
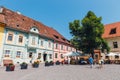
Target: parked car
83 61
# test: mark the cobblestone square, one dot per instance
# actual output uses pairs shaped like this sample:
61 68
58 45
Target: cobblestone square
63 72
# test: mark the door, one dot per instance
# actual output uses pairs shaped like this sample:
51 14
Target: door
44 57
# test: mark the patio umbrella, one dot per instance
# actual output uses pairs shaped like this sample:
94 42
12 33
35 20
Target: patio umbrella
71 54
111 54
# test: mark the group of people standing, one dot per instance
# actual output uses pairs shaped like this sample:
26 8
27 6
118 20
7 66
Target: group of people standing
92 61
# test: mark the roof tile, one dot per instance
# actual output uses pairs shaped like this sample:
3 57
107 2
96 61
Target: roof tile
23 23
108 28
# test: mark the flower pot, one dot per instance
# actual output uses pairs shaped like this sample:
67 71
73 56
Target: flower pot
24 66
47 63
35 65
57 63
51 63
10 68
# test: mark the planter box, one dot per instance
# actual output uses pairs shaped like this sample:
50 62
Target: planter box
35 65
51 63
23 66
47 64
57 63
10 68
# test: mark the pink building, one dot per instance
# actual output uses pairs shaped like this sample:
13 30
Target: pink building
61 46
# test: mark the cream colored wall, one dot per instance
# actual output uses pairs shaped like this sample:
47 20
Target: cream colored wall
110 43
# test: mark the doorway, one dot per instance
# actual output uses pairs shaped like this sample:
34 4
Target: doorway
30 54
44 57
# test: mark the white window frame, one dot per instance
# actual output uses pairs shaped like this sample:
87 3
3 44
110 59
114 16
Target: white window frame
18 55
7 54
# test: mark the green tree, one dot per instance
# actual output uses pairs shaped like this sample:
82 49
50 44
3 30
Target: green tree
88 36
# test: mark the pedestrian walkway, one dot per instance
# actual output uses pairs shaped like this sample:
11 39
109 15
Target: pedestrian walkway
63 72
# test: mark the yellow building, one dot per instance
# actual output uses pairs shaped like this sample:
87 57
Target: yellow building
1 39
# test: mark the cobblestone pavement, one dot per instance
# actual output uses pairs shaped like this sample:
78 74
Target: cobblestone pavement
63 72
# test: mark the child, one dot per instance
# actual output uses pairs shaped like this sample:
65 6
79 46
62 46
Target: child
101 62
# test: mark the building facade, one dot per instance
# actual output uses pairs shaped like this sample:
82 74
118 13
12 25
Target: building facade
25 40
112 36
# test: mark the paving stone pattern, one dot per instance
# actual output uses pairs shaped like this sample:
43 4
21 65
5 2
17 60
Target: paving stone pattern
63 72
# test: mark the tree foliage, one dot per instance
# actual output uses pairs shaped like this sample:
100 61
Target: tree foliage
87 35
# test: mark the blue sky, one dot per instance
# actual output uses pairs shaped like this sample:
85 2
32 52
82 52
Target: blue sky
58 13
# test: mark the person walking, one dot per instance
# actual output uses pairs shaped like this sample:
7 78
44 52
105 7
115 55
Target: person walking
101 62
69 59
91 61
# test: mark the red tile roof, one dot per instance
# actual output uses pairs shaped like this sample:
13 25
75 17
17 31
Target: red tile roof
14 19
1 18
108 28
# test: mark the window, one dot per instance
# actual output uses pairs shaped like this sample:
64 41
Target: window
56 36
50 56
10 37
18 54
39 55
61 47
33 40
63 39
62 56
41 43
17 25
56 46
34 29
113 31
20 39
71 48
67 48
115 45
96 56
30 55
116 57
106 57
56 55
7 53
49 44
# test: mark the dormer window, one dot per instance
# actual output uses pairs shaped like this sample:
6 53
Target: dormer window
23 19
63 39
17 25
68 41
56 36
113 31
34 29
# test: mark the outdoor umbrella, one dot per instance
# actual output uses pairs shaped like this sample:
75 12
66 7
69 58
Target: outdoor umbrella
71 54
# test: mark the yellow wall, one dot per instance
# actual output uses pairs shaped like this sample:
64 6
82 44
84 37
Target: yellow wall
1 34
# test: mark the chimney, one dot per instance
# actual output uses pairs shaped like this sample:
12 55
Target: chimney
1 9
18 12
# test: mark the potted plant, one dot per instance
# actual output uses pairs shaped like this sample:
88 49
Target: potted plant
51 63
10 67
47 63
24 65
57 62
36 64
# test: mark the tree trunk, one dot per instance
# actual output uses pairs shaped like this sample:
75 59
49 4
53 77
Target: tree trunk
92 53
